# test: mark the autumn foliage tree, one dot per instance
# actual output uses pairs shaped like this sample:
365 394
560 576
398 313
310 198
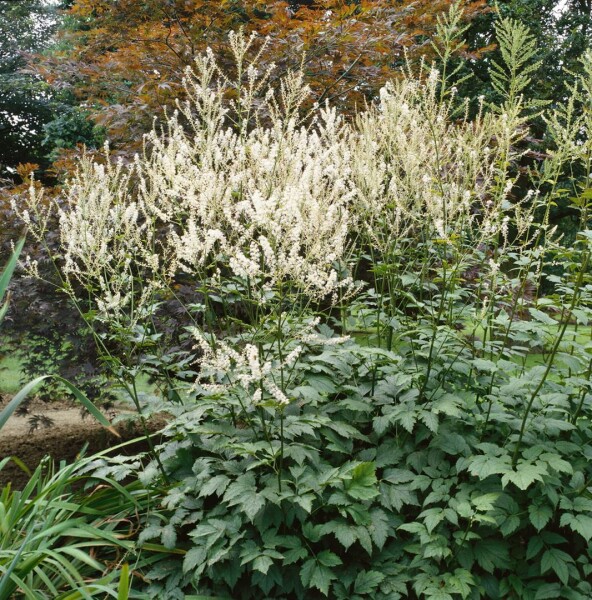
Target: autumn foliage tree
125 60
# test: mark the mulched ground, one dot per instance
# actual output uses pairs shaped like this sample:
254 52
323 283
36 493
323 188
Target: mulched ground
63 439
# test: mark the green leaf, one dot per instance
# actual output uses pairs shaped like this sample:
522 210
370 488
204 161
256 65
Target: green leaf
345 534
215 485
262 564
535 545
485 502
206 598
321 384
328 559
399 475
548 591
557 463
525 475
315 575
432 518
452 443
367 581
484 365
556 560
461 581
295 555
364 539
509 526
581 524
195 556
245 484
430 420
437 594
413 527
484 465
305 502
321 579
379 530
539 515
492 554
306 572
541 317
243 493
363 484
407 419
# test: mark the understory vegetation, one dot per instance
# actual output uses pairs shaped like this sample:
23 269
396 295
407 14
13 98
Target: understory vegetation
380 384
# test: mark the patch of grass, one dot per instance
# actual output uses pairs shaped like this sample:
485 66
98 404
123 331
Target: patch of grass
10 375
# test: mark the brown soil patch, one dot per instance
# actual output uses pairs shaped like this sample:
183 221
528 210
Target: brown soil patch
62 440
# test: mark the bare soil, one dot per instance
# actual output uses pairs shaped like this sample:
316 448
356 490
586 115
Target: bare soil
63 439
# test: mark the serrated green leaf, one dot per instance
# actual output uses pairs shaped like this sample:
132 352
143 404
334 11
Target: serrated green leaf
525 475
579 523
452 443
321 579
539 515
541 317
432 518
407 420
6 275
345 534
557 463
168 536
262 564
535 545
462 581
487 366
398 475
294 555
509 526
242 493
245 484
548 591
367 581
305 502
363 484
430 420
581 504
484 465
436 594
364 539
492 554
556 560
306 572
328 559
359 513
215 485
312 532
195 556
485 502
379 529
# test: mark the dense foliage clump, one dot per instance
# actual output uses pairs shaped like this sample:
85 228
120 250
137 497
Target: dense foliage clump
382 385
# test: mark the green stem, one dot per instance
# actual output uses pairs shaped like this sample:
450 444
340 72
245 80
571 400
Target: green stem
134 395
558 340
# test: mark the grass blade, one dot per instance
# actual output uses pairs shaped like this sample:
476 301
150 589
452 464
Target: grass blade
9 268
123 589
18 398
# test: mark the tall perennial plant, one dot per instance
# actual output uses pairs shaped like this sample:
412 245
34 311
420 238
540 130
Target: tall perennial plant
438 446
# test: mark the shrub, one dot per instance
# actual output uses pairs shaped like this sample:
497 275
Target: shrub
382 403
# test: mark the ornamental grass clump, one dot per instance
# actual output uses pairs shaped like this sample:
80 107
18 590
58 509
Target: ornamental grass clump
387 391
